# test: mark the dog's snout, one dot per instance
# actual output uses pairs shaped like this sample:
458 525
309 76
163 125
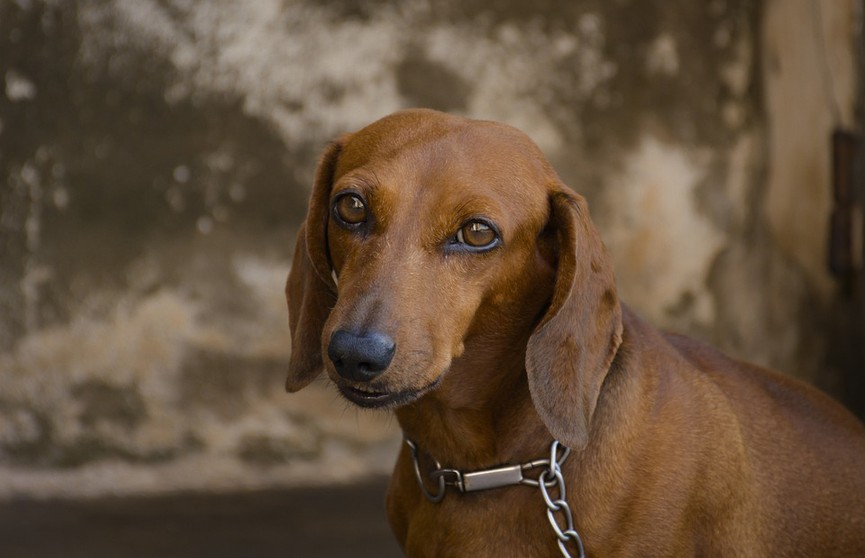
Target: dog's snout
360 358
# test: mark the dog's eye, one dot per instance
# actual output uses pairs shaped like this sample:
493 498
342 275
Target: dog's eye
477 234
350 209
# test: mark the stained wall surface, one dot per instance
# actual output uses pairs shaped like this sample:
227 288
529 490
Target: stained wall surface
156 157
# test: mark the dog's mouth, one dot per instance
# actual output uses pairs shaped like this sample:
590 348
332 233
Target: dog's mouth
370 398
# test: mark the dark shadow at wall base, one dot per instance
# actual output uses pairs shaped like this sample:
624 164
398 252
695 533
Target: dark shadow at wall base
321 522
847 351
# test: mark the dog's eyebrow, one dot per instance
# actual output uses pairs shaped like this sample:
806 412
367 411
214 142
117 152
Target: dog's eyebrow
364 180
476 207
476 203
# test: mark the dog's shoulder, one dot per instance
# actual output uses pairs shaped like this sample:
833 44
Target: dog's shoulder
762 393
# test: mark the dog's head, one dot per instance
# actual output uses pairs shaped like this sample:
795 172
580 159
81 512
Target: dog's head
432 239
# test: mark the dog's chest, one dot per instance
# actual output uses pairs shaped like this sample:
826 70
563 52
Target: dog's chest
503 522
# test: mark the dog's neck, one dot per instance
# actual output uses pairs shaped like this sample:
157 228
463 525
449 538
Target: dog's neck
481 414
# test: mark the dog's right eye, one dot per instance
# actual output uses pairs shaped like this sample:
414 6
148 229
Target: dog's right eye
350 209
477 235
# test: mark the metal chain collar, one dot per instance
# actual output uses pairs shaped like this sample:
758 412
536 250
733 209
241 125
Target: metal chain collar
550 482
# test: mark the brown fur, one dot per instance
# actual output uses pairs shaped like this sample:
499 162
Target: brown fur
678 450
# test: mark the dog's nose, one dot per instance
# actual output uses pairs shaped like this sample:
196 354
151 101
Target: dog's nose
360 358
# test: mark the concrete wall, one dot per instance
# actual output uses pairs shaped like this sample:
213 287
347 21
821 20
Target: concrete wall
156 158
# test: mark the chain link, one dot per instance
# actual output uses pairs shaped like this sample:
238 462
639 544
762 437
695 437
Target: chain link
552 478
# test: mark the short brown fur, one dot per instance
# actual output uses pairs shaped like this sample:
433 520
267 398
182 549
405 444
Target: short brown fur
678 450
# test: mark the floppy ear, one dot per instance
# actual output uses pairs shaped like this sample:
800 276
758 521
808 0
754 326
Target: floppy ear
310 289
571 349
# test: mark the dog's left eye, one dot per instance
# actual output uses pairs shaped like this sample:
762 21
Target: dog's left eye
350 209
477 235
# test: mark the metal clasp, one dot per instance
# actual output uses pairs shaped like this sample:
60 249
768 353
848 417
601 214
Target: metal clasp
492 478
451 477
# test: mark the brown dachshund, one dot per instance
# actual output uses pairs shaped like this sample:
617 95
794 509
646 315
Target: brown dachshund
445 272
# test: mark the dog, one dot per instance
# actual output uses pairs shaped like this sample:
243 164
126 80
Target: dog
444 271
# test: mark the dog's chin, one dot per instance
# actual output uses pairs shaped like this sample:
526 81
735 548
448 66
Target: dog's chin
371 399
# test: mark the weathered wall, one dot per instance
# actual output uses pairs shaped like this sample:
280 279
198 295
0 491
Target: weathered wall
155 160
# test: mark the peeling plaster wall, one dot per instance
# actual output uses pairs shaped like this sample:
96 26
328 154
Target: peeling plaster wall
156 159
809 88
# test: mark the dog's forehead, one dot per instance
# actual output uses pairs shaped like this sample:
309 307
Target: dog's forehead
432 135
434 155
